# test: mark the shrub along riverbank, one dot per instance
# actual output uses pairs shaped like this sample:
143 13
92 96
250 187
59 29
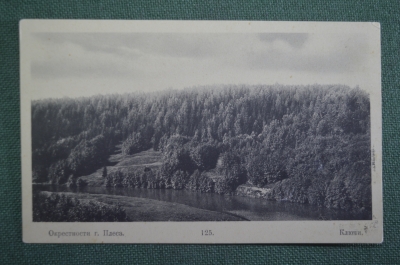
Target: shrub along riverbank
65 207
84 207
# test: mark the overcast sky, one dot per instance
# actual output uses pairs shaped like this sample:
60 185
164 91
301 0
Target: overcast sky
84 64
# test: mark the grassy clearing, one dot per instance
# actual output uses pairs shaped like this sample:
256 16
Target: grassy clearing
148 158
145 210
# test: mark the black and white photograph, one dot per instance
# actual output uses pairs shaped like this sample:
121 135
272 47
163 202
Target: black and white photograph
183 122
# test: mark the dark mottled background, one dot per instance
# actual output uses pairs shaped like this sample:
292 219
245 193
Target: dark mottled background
13 251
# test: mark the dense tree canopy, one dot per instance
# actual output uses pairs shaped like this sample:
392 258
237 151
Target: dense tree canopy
311 142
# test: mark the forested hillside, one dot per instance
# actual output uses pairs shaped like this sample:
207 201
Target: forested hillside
309 144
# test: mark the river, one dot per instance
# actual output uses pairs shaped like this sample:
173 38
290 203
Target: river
255 209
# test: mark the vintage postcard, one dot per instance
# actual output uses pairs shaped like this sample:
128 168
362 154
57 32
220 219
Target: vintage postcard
201 132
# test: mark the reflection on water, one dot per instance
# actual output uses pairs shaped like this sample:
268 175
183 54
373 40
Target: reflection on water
250 208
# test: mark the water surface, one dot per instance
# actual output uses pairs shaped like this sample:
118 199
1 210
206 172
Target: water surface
255 209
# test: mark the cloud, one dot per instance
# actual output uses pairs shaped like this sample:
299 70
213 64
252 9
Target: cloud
100 62
107 52
311 53
123 44
295 40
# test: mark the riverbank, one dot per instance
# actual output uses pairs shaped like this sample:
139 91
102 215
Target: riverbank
252 191
149 160
145 210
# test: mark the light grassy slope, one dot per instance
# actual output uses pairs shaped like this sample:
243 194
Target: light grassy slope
148 158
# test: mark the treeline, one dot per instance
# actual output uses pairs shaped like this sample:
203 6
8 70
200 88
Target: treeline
63 208
309 144
156 179
69 158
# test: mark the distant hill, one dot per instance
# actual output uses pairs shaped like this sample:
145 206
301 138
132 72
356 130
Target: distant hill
311 142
